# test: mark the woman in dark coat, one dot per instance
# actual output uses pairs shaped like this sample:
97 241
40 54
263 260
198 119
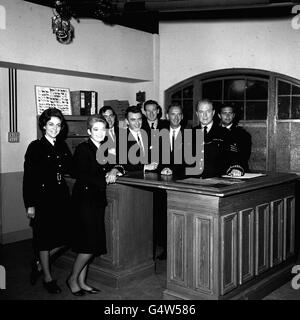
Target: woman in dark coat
45 192
89 202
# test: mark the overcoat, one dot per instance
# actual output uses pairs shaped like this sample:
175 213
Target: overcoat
89 201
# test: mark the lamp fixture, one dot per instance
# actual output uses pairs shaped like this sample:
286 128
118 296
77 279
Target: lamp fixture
61 24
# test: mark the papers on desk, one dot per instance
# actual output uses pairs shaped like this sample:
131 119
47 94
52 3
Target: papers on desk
245 176
210 182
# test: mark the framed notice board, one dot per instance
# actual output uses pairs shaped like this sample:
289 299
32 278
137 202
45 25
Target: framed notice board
51 97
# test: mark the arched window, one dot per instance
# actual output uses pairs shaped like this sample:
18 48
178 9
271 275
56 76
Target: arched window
268 107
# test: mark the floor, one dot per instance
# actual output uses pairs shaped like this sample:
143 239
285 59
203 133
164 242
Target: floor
16 257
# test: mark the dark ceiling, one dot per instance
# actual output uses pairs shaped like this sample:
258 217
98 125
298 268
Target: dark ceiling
145 15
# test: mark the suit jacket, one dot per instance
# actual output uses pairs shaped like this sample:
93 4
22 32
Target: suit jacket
177 151
161 123
218 157
131 142
152 133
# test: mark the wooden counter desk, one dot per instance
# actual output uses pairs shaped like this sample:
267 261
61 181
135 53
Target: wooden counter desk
227 238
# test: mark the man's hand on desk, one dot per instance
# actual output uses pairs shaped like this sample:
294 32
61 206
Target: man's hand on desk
235 173
166 171
150 167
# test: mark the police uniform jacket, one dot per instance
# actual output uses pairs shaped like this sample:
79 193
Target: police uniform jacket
44 188
218 158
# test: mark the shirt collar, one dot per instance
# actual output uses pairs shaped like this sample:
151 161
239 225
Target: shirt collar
227 127
51 140
155 123
176 129
134 133
208 127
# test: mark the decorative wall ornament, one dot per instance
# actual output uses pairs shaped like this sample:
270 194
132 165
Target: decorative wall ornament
61 24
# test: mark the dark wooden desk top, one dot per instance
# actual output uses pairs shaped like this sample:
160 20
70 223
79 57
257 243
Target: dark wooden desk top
220 187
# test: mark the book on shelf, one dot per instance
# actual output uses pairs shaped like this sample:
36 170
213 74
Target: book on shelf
84 103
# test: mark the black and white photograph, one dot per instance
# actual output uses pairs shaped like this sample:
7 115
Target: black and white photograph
149 153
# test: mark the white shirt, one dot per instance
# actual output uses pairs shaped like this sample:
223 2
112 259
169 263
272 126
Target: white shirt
136 135
176 130
154 122
112 134
227 127
208 127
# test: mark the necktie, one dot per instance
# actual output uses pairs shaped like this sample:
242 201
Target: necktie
140 142
173 140
112 134
205 133
152 125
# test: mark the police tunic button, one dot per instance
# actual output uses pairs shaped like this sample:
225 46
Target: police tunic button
48 156
202 151
57 157
59 165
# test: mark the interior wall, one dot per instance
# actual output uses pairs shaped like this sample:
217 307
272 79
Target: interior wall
97 48
192 48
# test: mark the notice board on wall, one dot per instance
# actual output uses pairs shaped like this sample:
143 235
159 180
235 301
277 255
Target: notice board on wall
52 97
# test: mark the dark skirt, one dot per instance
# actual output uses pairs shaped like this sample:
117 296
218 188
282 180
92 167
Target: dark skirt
52 217
88 231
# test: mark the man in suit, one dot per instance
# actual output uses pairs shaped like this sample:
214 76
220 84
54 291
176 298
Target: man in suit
176 137
153 114
240 139
219 158
137 143
113 129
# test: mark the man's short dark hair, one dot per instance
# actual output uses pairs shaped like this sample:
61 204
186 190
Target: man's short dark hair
227 105
132 109
105 108
151 102
174 104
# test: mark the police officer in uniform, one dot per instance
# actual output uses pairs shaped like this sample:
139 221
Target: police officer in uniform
45 192
240 139
218 157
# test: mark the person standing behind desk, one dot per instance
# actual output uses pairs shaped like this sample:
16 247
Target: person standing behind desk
154 123
89 202
240 139
218 158
175 117
133 118
175 129
153 117
45 192
110 116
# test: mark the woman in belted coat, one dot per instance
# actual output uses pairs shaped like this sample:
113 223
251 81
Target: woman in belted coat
45 192
89 202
